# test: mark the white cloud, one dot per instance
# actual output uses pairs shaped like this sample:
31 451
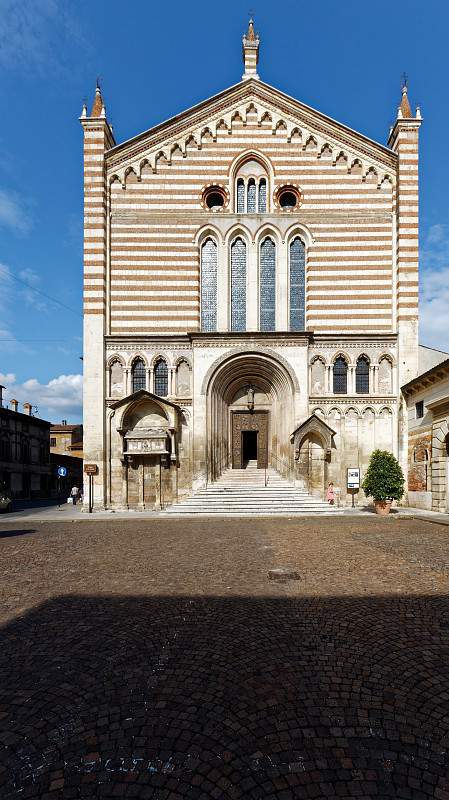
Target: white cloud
434 290
13 213
34 35
60 398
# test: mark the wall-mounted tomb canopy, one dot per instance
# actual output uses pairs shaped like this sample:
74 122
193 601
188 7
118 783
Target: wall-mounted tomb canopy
313 426
148 424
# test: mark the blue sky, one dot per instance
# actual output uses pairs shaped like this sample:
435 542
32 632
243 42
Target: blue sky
154 60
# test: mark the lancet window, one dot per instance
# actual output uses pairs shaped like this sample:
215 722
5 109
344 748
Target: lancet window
238 285
297 284
267 276
362 375
209 286
340 376
161 378
138 375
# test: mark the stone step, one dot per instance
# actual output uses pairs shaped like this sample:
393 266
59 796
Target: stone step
244 493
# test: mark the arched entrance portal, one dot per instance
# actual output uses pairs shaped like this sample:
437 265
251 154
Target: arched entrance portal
250 413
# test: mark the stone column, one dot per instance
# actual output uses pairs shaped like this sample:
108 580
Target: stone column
151 380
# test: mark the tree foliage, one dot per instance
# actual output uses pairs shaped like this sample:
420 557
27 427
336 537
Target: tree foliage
384 479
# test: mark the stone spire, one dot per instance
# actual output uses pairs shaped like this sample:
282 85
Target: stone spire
404 110
98 105
250 52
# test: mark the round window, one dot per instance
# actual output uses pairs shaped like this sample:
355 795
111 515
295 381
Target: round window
288 198
214 198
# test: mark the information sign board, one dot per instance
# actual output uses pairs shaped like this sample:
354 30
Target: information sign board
353 478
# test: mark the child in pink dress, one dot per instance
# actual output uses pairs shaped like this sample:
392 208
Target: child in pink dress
330 496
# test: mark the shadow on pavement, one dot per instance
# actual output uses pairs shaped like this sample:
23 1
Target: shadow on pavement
204 697
16 532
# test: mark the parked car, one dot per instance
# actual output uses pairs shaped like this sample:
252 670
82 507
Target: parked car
5 498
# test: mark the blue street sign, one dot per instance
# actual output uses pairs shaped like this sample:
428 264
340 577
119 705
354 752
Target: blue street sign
62 472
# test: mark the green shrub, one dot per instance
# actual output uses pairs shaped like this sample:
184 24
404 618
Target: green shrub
384 479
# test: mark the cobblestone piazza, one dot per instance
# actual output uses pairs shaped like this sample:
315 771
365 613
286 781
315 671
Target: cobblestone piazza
225 659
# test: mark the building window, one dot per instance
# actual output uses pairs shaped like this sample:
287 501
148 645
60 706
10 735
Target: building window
161 378
240 196
419 409
138 375
238 285
362 375
340 376
251 188
214 198
262 207
297 284
209 286
267 275
251 200
53 441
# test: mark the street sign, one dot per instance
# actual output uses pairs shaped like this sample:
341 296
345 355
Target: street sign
62 472
353 478
91 469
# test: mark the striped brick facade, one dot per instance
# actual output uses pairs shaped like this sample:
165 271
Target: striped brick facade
146 218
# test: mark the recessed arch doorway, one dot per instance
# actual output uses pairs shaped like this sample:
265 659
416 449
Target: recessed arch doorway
250 413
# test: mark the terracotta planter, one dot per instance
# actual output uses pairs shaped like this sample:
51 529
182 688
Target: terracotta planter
382 507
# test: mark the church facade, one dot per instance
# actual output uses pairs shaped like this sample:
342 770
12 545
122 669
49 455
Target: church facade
251 293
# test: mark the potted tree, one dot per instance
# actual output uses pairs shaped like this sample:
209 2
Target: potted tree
384 481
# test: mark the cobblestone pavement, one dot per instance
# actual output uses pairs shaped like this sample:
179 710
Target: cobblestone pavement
166 660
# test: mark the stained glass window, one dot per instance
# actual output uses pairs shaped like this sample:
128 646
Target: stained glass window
267 274
240 196
161 378
262 196
251 204
340 376
138 375
297 284
209 286
362 376
238 285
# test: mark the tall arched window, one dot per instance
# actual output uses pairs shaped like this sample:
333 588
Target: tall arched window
362 375
262 196
340 376
251 201
238 285
297 287
240 196
209 286
161 378
138 375
267 273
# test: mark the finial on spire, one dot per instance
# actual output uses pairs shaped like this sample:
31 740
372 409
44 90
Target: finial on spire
404 110
250 52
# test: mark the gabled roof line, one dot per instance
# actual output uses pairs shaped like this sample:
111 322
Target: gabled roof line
255 85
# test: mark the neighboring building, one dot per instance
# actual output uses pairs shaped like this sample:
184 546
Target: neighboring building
427 402
67 439
24 451
251 292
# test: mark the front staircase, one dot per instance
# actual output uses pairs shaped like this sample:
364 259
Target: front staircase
242 492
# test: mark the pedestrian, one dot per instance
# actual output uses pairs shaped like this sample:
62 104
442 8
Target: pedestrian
74 494
330 497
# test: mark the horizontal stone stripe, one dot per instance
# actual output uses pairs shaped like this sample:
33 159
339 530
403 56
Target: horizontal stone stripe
162 313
